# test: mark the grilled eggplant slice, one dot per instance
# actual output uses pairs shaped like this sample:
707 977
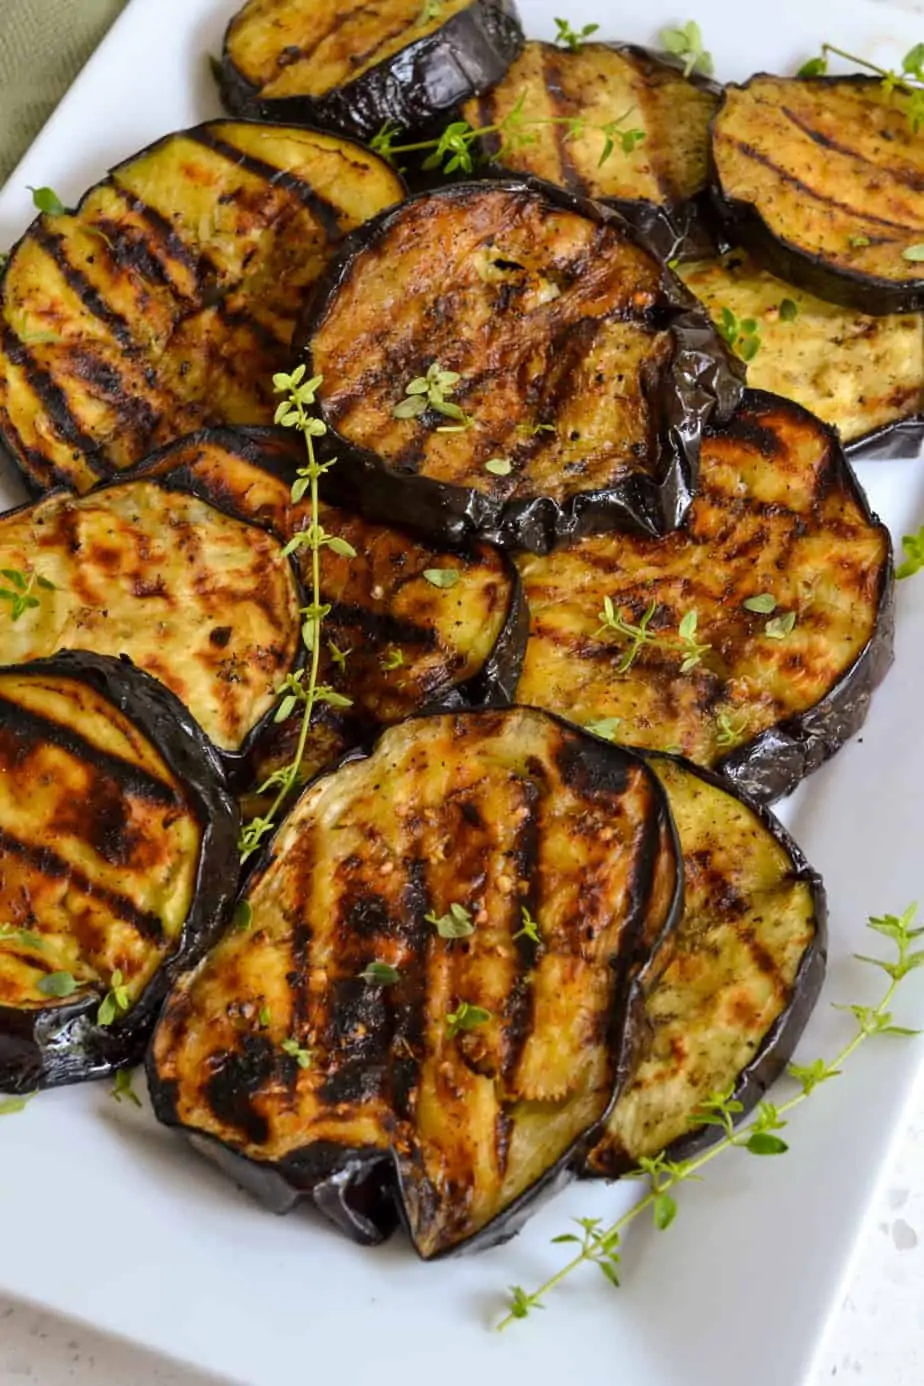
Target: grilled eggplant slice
862 374
821 178
118 862
394 641
349 67
578 375
660 184
467 1080
766 695
168 299
736 980
196 596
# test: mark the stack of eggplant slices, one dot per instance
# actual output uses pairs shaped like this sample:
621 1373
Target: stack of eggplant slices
596 585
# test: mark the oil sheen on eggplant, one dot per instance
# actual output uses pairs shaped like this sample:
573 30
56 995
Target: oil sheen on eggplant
583 368
821 178
779 516
118 853
394 642
167 300
736 980
862 374
195 595
462 1127
660 185
347 66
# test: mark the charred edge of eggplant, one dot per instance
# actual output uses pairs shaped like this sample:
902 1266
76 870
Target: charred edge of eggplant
360 1190
779 1043
64 1044
850 288
415 88
703 384
183 480
770 766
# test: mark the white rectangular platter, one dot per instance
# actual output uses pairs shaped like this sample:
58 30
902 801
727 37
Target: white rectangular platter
106 1218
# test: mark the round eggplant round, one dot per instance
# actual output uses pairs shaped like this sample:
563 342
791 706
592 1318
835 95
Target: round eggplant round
118 863
449 1033
820 178
630 130
735 982
349 67
186 587
752 638
168 298
505 360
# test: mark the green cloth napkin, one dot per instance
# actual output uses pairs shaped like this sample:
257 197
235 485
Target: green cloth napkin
43 45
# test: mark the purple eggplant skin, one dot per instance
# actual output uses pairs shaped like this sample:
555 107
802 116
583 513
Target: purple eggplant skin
63 1044
702 385
417 89
746 227
776 1051
891 442
360 1190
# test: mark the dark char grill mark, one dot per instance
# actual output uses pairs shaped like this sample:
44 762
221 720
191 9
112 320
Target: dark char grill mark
324 212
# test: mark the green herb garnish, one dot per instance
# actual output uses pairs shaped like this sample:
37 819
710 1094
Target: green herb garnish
122 1087
910 81
243 916
915 253
116 1001
380 974
47 200
573 38
295 1051
764 604
465 1018
638 636
600 1245
442 577
10 934
789 310
778 627
21 593
499 466
742 335
686 43
58 984
530 927
606 727
729 729
392 659
913 544
455 923
10 1105
430 391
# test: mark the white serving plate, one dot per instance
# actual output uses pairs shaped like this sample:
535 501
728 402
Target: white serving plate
107 1218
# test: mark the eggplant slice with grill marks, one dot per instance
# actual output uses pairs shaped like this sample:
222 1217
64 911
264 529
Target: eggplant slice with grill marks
348 66
660 184
864 375
736 980
764 695
118 855
561 379
822 179
167 300
394 642
470 1078
197 596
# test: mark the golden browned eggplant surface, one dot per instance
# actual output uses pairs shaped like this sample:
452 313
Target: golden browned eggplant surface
545 320
99 847
749 616
857 372
725 997
308 47
203 601
601 85
168 299
503 871
833 169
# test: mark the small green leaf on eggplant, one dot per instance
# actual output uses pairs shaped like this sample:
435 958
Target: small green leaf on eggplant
442 577
913 544
455 923
764 604
122 1089
116 1001
57 984
467 1017
380 974
47 200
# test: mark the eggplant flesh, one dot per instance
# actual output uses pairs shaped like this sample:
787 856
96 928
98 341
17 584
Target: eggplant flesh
735 982
863 375
582 375
118 854
394 643
197 597
304 1077
168 299
351 67
821 179
660 184
770 694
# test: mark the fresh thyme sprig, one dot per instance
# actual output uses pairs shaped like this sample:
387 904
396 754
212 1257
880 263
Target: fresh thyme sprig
301 688
21 593
454 150
431 391
910 81
600 1245
913 544
637 637
686 43
573 38
116 1001
467 1017
742 335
